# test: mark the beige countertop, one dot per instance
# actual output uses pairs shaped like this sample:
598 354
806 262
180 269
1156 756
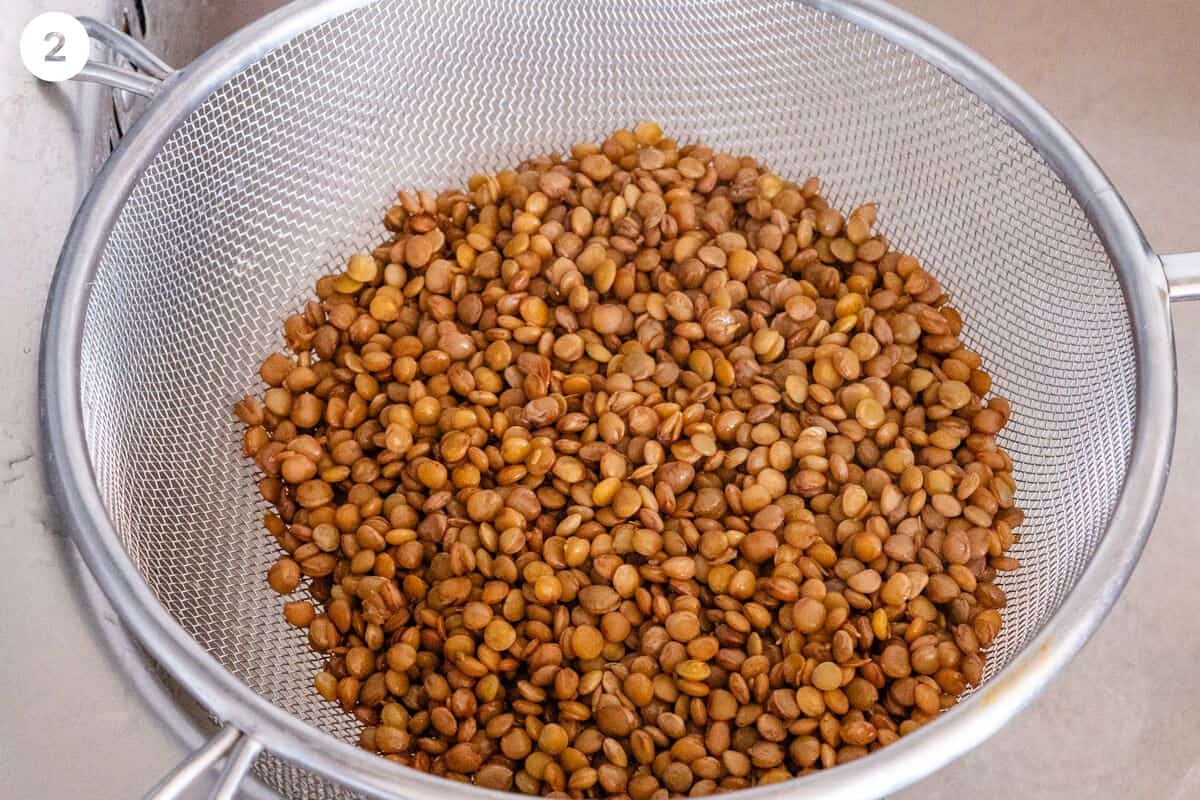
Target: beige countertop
1120 722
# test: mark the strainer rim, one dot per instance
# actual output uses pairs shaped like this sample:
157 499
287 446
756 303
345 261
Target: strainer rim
74 488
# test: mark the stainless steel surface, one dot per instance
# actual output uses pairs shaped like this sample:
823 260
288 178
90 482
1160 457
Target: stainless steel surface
928 199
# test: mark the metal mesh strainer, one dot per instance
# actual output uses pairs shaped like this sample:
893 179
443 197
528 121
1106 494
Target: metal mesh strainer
272 159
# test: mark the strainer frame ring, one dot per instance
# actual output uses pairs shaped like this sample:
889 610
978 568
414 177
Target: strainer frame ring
73 486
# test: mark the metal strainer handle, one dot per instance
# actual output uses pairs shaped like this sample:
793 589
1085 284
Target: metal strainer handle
144 79
1183 275
241 751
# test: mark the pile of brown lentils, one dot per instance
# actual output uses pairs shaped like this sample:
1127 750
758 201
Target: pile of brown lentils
632 473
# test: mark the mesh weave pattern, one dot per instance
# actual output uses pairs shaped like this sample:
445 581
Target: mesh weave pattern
287 169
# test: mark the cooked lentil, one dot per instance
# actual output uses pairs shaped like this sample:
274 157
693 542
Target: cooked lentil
633 472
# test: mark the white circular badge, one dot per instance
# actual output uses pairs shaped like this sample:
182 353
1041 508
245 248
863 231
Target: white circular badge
54 46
